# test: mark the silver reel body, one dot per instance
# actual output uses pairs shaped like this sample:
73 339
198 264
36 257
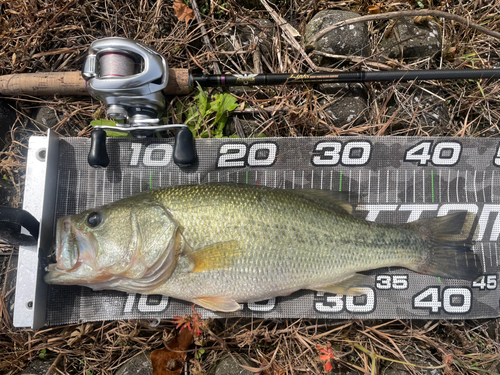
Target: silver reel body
129 78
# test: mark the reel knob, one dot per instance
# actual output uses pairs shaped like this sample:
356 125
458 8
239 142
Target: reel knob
184 151
98 154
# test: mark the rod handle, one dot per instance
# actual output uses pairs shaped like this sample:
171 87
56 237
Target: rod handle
98 154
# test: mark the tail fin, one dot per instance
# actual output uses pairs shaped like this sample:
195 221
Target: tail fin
450 254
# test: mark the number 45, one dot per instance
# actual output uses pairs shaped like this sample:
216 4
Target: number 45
486 282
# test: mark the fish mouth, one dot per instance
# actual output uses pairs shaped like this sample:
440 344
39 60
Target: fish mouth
75 254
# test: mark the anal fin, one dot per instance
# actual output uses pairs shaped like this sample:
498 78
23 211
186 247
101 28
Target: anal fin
348 286
222 304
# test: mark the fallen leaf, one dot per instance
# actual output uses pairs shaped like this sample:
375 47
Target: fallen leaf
170 360
450 54
420 20
373 9
182 11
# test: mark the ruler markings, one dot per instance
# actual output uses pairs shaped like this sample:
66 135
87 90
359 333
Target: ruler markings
112 186
121 191
331 180
449 178
406 186
103 186
78 191
293 179
350 179
496 251
423 186
140 180
387 188
440 186
492 184
131 181
275 179
475 186
432 185
484 258
414 183
359 186
265 178
378 187
369 184
484 188
397 184
284 179
199 179
312 179
491 257
321 181
465 188
67 190
458 174
95 188
303 172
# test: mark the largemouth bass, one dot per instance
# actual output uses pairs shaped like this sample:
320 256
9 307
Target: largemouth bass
217 245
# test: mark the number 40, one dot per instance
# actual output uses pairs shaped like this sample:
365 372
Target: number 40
442 154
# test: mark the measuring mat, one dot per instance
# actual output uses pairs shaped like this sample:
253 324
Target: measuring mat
391 179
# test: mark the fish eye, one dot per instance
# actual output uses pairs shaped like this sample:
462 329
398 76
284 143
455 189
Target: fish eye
94 219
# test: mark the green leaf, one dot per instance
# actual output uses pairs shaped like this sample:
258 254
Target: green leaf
200 353
213 113
197 112
42 353
222 105
420 4
108 132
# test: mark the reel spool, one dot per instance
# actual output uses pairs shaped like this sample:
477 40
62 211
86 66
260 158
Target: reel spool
129 78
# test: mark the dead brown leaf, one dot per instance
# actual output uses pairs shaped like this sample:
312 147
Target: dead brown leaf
170 360
182 11
373 9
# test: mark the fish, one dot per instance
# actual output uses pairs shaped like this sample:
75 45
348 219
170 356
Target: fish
220 245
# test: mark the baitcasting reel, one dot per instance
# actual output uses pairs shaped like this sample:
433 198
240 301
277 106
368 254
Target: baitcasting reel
129 78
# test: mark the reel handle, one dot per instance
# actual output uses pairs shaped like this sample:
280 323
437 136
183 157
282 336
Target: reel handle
98 154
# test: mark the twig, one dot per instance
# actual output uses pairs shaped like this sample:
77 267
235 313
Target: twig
206 39
355 59
288 34
404 13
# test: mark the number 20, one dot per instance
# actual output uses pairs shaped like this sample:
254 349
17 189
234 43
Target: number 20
233 155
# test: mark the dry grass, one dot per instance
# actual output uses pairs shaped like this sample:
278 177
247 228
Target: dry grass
54 36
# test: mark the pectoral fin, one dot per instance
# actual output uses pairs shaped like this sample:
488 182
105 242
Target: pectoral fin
219 256
348 286
222 304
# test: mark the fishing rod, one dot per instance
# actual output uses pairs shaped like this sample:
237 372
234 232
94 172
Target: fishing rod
133 79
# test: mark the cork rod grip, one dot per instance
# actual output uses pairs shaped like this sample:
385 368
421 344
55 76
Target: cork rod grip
72 83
